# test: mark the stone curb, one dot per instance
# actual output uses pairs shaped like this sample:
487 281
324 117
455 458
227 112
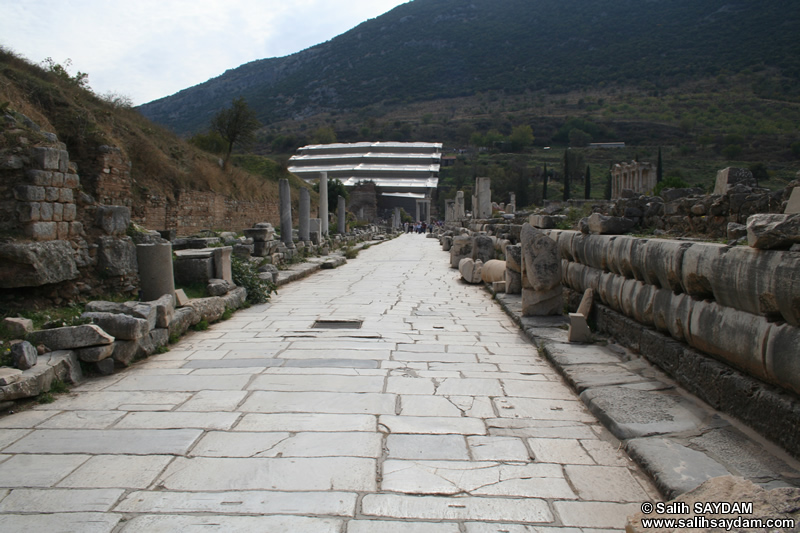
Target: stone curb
314 264
676 438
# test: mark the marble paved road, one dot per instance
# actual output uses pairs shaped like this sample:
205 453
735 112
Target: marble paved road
436 416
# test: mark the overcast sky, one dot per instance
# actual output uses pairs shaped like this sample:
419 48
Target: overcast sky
147 49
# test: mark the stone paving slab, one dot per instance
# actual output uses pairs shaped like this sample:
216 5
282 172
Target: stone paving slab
437 416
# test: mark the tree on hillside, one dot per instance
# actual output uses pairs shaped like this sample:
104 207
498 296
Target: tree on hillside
323 135
521 138
567 172
607 191
587 193
236 125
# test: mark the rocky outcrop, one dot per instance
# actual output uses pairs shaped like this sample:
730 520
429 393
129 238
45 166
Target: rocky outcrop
29 264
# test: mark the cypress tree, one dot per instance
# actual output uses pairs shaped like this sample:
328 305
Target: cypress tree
544 184
659 168
608 186
588 183
566 175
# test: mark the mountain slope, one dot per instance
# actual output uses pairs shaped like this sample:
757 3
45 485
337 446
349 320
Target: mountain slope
431 49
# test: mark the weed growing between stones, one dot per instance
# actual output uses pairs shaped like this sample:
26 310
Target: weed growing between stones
162 349
350 253
58 387
245 275
173 338
201 326
45 397
227 314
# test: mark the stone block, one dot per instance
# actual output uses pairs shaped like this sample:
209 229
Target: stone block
105 367
61 365
542 303
28 211
781 356
155 270
470 270
23 355
736 231
180 298
57 179
210 309
729 177
70 212
51 194
71 181
603 225
113 219
29 193
235 298
259 234
190 270
40 178
125 352
58 212
66 196
513 282
71 337
62 230
18 327
219 287
9 375
165 309
771 231
120 326
93 354
35 264
793 204
541 263
546 221
482 248
116 257
462 247
46 158
183 319
499 286
222 263
42 231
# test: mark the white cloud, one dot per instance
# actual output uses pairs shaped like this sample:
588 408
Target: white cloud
147 49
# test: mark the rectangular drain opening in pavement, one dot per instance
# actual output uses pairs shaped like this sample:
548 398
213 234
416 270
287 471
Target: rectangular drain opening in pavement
337 324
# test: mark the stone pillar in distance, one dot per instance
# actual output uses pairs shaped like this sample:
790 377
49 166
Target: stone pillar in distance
305 215
342 216
323 202
286 212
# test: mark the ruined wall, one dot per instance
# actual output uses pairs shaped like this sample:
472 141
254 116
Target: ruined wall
193 211
109 182
57 244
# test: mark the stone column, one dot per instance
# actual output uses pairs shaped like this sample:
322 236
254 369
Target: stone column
323 202
305 214
512 204
396 217
416 213
286 212
461 211
155 270
315 230
484 193
342 214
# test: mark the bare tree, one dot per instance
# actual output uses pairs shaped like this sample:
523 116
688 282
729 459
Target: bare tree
236 125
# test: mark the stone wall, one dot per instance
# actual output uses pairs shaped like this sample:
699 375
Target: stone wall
192 211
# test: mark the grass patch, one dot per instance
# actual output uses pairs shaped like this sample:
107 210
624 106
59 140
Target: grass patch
201 326
58 387
45 397
350 252
195 290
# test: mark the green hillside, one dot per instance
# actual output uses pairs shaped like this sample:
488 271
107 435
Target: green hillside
442 49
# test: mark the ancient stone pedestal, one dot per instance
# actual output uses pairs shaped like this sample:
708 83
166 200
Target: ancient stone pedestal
449 211
793 205
323 203
315 230
155 270
512 205
305 215
461 211
541 274
222 263
341 216
396 221
286 212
